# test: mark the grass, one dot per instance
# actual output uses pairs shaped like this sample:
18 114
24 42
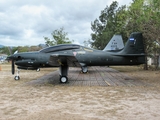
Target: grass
127 68
150 76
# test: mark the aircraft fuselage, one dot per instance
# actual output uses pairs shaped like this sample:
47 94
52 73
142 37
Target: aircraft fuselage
89 57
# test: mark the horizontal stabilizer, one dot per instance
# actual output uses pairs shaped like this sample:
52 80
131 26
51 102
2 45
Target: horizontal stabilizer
129 55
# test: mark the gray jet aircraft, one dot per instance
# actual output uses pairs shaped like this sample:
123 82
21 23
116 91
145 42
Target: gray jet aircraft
72 55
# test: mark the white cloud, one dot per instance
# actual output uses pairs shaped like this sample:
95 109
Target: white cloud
27 22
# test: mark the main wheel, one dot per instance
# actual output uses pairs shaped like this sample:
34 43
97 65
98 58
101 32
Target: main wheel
63 79
84 69
17 78
38 69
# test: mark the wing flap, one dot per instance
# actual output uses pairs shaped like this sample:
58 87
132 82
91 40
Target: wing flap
60 60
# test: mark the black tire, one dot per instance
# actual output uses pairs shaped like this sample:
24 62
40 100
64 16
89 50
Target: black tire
38 69
16 78
84 69
63 79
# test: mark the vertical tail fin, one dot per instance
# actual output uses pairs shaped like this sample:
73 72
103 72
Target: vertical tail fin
134 45
115 44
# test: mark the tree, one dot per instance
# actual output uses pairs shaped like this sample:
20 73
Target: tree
110 22
143 16
58 37
154 8
4 50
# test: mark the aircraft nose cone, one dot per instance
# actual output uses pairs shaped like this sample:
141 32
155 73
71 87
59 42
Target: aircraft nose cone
11 57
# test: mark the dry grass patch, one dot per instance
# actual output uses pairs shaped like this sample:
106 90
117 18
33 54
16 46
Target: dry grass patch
149 76
20 102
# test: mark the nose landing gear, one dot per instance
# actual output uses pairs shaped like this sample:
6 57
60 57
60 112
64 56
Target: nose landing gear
17 76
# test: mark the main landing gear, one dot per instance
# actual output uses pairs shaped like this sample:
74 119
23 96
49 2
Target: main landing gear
84 69
63 71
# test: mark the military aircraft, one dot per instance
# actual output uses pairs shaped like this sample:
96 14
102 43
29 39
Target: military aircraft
72 55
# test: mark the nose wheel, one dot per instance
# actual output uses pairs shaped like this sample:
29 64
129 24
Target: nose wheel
17 76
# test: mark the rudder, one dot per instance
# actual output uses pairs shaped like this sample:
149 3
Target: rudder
134 44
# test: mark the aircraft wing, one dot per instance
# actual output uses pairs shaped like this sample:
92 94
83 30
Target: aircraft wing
60 60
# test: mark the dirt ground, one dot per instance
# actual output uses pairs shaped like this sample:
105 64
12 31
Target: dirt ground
19 101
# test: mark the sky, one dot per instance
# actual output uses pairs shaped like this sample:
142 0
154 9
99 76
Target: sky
26 23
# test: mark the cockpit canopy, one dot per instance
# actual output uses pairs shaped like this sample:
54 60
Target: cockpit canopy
60 48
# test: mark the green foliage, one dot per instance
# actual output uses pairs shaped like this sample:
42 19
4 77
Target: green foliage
4 50
11 50
110 22
143 16
58 37
26 48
